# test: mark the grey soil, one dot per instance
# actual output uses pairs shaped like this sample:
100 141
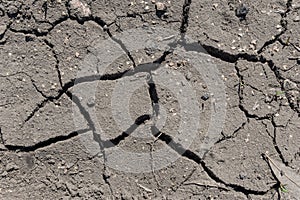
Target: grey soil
42 46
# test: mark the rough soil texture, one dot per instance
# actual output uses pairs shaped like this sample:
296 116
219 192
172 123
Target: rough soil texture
42 45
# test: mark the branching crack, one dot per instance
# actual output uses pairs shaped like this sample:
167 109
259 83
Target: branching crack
37 32
233 58
96 135
233 135
177 147
283 23
113 142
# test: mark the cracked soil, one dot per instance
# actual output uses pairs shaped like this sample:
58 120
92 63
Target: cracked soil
42 46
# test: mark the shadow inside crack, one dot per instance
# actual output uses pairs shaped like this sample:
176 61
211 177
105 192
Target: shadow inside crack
113 142
45 143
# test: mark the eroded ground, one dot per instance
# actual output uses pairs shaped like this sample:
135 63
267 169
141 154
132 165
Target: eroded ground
42 46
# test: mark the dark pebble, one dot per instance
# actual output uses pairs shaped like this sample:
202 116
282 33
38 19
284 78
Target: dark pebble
241 11
205 97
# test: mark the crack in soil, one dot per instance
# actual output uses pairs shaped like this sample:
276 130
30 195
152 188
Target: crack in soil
240 94
49 44
113 142
37 32
233 58
283 23
129 15
177 147
274 141
45 143
213 51
185 16
233 135
96 136
1 137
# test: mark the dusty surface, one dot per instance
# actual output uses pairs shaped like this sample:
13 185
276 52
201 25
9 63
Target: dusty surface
43 155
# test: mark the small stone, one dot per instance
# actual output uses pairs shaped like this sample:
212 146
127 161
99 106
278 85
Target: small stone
188 76
11 166
105 28
91 102
28 38
160 6
2 29
12 11
243 176
241 11
289 85
215 5
205 97
79 9
297 19
2 147
4 174
253 42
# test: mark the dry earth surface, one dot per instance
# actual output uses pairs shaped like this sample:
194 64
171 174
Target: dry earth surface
255 45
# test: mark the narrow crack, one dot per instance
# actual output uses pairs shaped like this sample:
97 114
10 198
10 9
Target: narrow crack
131 14
240 94
45 143
104 26
280 80
283 23
113 142
122 45
275 142
51 46
152 87
185 16
88 118
37 32
96 136
1 137
229 57
233 135
42 104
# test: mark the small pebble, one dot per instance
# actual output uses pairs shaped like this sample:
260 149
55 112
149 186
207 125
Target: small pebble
253 42
241 11
215 5
11 166
297 19
205 97
160 6
2 29
289 85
